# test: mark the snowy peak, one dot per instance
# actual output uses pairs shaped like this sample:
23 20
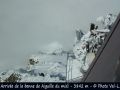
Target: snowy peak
87 46
54 64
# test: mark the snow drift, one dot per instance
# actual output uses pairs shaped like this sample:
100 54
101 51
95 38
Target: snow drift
53 64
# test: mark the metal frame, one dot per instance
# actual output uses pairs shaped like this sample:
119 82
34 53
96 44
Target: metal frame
103 68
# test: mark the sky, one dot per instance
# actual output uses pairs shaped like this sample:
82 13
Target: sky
28 25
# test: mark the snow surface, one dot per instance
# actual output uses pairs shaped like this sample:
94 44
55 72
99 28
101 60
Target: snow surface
53 64
50 68
92 41
106 20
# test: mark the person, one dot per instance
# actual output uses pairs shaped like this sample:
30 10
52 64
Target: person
92 29
96 27
92 26
87 47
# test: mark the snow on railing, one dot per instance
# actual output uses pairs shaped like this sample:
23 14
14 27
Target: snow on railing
86 47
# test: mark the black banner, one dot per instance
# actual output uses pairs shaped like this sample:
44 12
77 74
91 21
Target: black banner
58 85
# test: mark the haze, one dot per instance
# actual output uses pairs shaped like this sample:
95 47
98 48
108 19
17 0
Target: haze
27 25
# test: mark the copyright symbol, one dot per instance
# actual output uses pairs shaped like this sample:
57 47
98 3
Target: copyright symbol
95 85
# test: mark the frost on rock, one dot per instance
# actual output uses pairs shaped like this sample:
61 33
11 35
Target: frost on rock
107 20
53 64
79 35
87 46
10 76
49 66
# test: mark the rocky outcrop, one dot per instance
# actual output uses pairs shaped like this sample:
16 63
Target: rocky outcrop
14 77
89 44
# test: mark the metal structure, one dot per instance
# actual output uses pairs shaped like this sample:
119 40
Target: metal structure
106 65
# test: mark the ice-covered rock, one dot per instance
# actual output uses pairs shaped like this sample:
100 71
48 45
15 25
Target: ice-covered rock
100 19
79 35
107 20
87 46
40 68
53 64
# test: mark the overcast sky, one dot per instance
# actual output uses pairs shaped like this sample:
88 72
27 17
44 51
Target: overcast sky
28 25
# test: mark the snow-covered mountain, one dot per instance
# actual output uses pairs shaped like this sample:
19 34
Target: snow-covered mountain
46 66
87 45
53 64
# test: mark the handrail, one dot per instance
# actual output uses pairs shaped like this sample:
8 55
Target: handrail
102 48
